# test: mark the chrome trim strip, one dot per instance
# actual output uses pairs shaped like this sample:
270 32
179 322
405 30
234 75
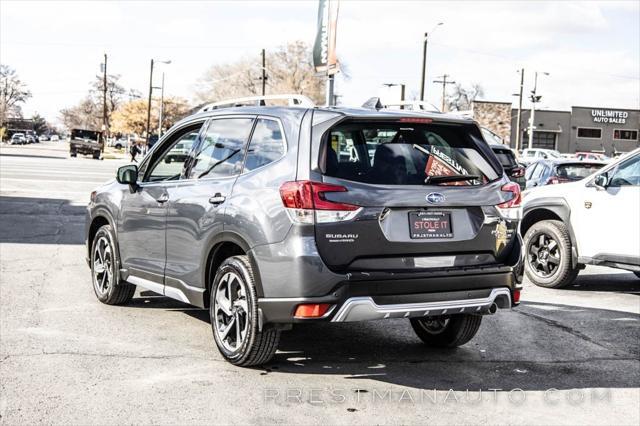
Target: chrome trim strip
364 308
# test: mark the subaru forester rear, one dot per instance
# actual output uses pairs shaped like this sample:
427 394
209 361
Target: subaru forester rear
362 215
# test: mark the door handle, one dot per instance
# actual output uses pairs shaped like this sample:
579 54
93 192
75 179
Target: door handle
163 198
217 199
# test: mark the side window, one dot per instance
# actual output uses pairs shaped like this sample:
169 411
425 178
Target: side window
221 151
538 171
627 173
171 162
266 146
529 172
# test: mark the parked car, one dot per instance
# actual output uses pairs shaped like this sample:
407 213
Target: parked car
591 156
18 139
265 226
43 138
31 138
549 172
55 138
594 221
179 152
531 155
87 142
507 159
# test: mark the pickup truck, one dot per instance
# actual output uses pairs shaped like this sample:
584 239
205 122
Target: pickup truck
87 142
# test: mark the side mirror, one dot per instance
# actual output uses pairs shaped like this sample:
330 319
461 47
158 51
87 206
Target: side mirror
128 175
601 182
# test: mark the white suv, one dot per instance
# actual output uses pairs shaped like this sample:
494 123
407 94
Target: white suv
595 221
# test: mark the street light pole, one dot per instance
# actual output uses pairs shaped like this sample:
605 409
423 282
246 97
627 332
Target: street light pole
149 104
534 99
518 124
424 61
161 107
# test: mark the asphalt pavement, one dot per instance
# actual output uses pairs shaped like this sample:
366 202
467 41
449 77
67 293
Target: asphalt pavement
568 356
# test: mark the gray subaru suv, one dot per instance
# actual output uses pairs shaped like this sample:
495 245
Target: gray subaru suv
281 215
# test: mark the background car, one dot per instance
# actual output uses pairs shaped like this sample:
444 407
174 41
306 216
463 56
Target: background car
549 172
510 164
591 156
43 138
531 155
593 221
18 139
55 138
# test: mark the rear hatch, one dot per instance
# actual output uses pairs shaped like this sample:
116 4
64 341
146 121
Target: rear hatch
414 194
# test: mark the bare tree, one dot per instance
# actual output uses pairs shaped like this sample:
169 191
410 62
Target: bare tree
13 92
460 98
88 113
289 70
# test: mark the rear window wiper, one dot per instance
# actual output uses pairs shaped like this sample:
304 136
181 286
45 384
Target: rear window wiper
449 178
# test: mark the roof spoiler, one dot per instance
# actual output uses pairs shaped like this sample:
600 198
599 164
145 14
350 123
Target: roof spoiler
292 100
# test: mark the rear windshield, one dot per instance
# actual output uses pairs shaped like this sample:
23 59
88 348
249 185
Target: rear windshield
85 134
505 156
577 171
405 154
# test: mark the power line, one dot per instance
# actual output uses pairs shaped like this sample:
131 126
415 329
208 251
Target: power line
444 83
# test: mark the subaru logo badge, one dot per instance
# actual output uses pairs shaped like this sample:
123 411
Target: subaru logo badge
435 197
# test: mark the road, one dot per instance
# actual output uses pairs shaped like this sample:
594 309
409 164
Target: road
563 357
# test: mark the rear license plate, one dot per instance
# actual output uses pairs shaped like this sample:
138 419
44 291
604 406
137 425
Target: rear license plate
424 225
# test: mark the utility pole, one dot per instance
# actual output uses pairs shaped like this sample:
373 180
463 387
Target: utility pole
149 104
444 83
424 61
264 74
535 98
105 124
518 124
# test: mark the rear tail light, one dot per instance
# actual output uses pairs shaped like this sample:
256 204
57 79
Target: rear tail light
556 180
511 209
518 172
306 202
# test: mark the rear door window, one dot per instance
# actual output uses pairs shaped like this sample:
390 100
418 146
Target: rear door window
221 151
406 154
266 146
505 156
576 171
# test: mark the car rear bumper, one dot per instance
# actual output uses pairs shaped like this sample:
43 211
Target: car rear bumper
418 297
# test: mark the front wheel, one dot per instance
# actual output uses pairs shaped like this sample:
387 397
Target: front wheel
447 331
549 261
105 270
234 315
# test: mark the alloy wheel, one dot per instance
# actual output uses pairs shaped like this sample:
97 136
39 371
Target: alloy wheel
434 325
102 266
543 255
231 311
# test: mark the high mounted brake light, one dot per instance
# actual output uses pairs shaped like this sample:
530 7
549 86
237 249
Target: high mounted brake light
415 120
305 201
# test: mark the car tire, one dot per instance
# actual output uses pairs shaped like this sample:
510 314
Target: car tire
447 331
233 310
96 155
548 243
105 270
73 154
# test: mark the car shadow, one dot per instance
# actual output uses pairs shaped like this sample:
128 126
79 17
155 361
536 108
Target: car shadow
529 348
34 220
618 283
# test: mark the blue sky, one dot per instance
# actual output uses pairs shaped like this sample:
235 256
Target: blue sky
590 49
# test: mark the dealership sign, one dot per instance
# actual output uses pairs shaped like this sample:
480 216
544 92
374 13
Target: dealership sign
609 116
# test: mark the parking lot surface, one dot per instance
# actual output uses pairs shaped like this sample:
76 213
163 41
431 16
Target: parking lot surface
563 357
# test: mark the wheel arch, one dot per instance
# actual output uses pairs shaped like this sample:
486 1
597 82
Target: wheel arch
223 246
99 218
549 209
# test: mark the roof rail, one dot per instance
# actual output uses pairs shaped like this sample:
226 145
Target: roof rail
376 103
293 100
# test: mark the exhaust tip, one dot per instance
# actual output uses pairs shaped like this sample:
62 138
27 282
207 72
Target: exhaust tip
493 308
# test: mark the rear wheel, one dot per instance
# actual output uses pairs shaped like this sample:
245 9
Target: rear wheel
234 316
73 153
447 331
105 270
548 257
96 155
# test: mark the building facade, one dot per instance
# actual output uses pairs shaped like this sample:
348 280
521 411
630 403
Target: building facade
608 130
